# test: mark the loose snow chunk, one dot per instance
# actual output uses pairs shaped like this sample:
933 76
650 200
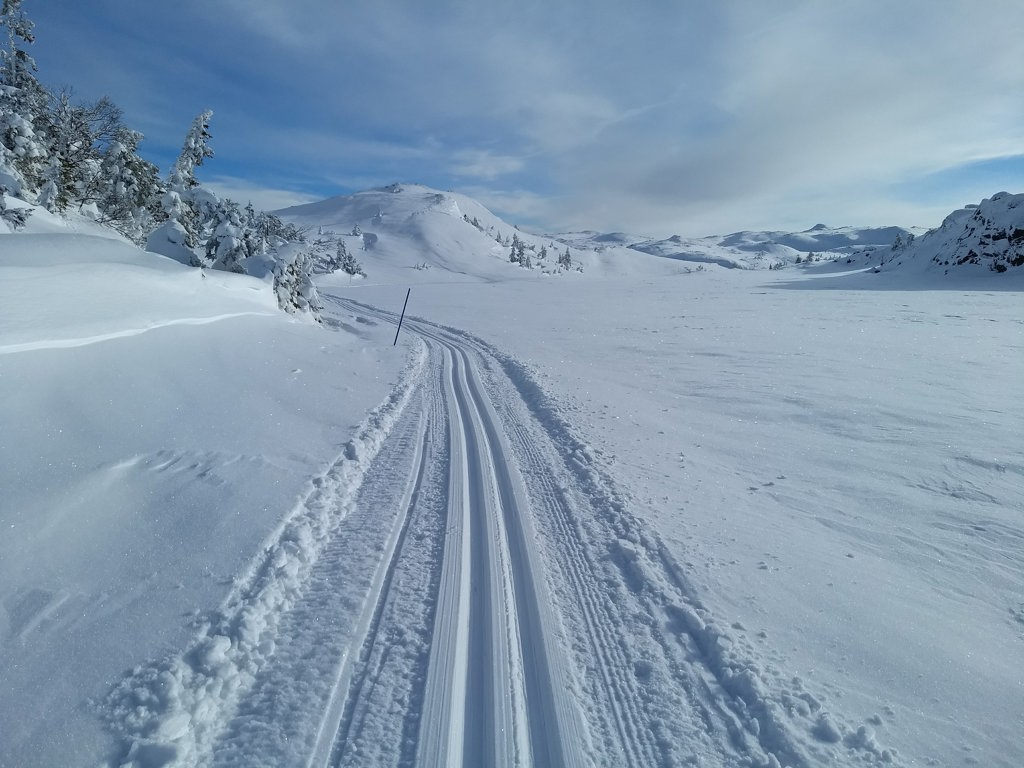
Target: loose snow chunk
214 655
627 558
152 755
826 729
251 625
174 726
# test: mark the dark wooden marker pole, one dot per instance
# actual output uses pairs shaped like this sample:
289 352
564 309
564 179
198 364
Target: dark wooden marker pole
399 329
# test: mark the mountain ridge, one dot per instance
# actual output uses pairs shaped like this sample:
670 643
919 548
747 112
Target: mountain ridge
414 225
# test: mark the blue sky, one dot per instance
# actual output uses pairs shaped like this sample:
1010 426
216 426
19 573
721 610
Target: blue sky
655 117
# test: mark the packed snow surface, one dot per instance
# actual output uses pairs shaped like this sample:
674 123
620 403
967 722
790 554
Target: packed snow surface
639 515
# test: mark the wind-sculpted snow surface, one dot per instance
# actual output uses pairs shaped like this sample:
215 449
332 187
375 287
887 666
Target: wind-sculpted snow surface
465 587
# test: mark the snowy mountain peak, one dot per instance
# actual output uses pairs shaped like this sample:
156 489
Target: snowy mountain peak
410 226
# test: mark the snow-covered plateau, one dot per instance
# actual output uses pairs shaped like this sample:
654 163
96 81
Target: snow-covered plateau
617 509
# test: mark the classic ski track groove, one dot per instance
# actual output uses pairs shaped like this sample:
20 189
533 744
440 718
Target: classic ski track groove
495 728
635 739
302 640
357 723
631 723
532 650
600 624
635 742
337 718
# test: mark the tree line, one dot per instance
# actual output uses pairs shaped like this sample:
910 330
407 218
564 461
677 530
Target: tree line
65 156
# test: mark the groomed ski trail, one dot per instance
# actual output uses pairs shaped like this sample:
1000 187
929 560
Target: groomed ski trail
473 591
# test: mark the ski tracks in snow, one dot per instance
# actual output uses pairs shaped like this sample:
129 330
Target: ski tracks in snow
465 587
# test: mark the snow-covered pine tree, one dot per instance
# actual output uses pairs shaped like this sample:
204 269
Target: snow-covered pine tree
274 232
15 217
323 253
180 235
516 255
71 174
193 152
129 188
226 247
52 193
565 260
252 237
293 284
24 112
347 262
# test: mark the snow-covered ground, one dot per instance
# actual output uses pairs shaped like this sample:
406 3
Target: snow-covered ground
838 472
157 425
630 516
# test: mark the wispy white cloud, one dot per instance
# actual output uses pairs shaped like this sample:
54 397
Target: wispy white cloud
822 110
517 206
660 117
244 191
482 164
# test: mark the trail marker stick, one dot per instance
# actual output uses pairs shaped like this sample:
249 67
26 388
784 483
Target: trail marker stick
400 319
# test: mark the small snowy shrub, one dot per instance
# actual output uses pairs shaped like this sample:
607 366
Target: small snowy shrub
293 284
14 217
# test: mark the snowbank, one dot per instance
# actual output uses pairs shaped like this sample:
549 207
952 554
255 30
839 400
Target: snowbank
159 423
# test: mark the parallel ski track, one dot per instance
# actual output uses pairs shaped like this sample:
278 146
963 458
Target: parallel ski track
511 613
514 710
316 661
339 715
486 599
371 688
496 690
631 735
635 741
556 736
623 620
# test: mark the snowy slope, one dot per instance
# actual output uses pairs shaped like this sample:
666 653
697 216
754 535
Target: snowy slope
403 221
446 235
157 426
987 236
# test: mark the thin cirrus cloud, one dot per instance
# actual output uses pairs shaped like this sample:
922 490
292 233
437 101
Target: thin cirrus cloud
481 164
825 113
658 117
262 197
